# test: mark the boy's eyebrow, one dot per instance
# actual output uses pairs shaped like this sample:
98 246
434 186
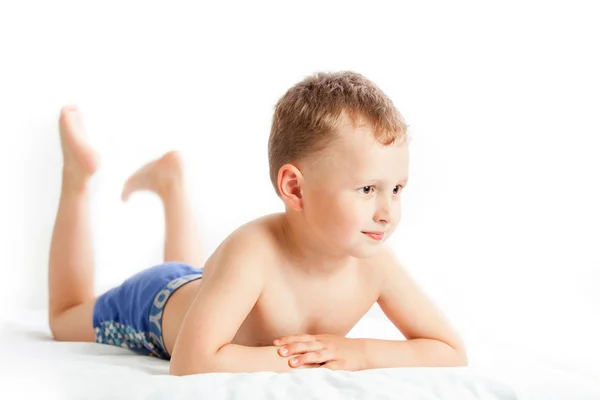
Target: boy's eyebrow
402 181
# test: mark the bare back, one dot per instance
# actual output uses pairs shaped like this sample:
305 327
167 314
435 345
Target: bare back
292 301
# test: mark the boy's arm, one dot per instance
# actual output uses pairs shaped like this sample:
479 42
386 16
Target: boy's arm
431 339
226 296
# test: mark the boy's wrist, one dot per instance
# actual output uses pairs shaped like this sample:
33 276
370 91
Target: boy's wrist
362 345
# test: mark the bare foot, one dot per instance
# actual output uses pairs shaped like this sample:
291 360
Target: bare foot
157 176
80 160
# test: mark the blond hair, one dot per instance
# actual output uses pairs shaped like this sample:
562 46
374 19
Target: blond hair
308 116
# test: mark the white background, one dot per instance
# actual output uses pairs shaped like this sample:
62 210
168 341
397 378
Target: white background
500 220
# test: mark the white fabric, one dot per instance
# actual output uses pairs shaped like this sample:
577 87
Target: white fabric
33 363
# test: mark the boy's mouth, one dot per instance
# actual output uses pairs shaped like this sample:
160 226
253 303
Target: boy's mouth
375 235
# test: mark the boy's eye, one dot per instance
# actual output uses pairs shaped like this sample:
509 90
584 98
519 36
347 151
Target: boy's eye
366 189
397 189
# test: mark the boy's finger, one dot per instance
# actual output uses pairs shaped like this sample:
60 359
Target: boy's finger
300 348
314 357
293 339
333 365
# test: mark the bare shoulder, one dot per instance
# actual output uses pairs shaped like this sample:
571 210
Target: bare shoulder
383 265
259 236
254 244
392 271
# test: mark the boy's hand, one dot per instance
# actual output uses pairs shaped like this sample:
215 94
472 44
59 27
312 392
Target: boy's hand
331 351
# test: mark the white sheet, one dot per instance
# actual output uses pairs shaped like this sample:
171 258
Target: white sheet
32 363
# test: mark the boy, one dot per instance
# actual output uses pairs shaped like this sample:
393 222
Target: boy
281 292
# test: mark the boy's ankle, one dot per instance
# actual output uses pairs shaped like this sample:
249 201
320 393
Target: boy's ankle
73 181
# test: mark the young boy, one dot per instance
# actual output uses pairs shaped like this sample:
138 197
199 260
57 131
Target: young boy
282 291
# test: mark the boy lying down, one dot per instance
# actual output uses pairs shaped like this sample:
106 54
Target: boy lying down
282 291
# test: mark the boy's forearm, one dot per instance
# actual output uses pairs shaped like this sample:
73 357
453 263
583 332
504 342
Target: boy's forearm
237 358
411 353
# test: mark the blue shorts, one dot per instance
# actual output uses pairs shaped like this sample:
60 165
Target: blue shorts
130 315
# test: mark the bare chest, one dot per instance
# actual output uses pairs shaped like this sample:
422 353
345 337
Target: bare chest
303 306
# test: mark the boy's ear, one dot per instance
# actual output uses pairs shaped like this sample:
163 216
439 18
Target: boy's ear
289 183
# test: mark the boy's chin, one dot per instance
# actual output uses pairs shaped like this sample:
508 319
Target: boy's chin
364 251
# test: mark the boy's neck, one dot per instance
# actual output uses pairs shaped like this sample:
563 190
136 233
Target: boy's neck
306 253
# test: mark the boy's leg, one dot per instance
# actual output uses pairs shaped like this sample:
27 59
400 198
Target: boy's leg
71 263
165 177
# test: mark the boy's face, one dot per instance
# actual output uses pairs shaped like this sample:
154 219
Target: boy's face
352 195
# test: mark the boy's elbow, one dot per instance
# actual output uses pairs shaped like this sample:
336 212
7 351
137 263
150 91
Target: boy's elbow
179 370
184 370
197 361
460 352
191 366
462 358
176 369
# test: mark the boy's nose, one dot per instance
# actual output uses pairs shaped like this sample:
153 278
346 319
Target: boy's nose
382 215
383 212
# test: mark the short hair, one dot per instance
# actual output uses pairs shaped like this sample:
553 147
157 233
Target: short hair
308 116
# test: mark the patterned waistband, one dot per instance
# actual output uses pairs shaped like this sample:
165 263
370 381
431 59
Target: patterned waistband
156 312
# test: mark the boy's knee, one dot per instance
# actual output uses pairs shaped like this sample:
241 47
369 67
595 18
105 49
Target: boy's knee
73 324
54 328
